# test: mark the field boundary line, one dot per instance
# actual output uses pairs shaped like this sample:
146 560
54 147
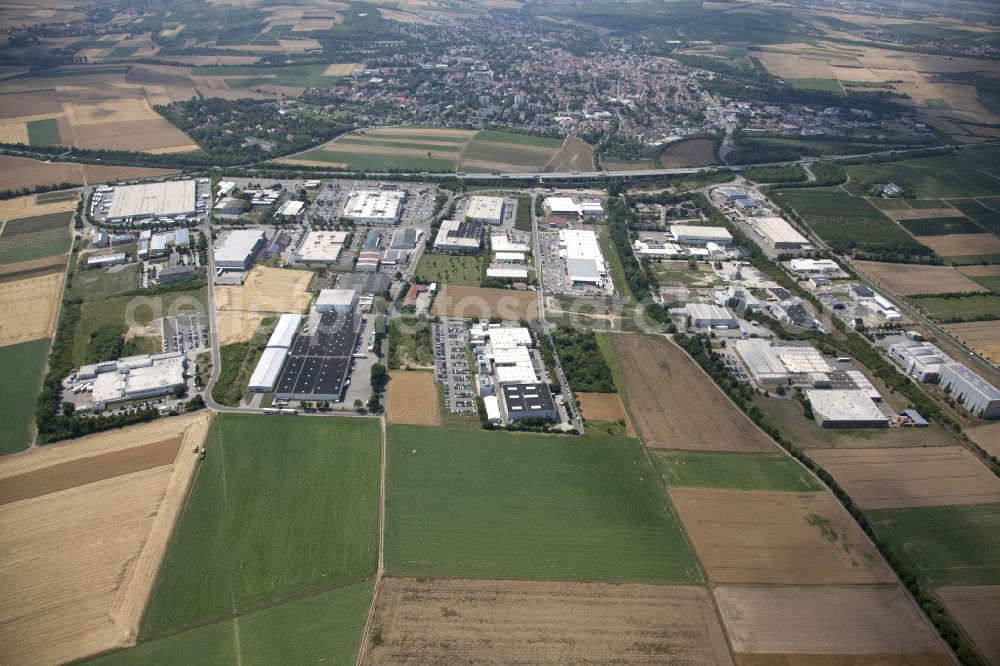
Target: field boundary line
554 155
461 153
366 634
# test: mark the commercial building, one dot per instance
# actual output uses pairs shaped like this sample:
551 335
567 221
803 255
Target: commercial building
709 315
503 243
404 239
374 206
175 274
802 362
459 236
492 405
318 364
268 369
107 259
104 239
137 377
814 266
761 361
582 253
525 401
285 331
570 207
508 273
699 235
920 360
845 408
777 233
975 393
239 248
337 300
230 206
509 257
291 209
488 210
321 247
147 200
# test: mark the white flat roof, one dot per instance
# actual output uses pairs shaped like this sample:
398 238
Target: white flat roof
291 208
238 244
285 330
502 336
374 204
777 230
500 243
512 273
844 405
265 375
510 256
336 297
322 246
174 197
484 208
709 311
717 234
802 360
760 359
515 374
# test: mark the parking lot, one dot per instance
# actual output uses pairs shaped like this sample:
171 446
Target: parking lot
554 276
184 332
451 366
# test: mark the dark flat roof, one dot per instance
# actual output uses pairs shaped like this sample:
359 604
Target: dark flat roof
527 398
319 361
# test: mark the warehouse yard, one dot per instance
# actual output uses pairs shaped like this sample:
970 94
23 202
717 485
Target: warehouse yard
827 625
769 537
28 308
435 621
267 289
674 405
412 399
465 302
896 478
111 500
907 279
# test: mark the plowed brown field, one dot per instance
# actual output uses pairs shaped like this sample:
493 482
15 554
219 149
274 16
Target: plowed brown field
603 407
510 305
907 279
977 608
674 405
412 398
438 622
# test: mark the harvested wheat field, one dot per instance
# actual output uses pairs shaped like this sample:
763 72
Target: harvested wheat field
267 290
412 399
775 537
898 478
983 336
465 302
603 407
342 69
674 405
110 500
977 608
798 625
905 279
29 206
236 326
980 271
988 437
961 245
28 308
442 622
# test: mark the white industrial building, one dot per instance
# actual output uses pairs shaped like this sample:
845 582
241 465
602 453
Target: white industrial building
337 300
509 257
291 209
176 197
570 207
268 369
582 252
845 408
135 377
975 393
107 259
488 210
814 266
374 206
761 361
321 247
404 239
285 330
920 360
777 233
459 236
508 273
709 315
803 361
503 243
492 405
238 249
686 234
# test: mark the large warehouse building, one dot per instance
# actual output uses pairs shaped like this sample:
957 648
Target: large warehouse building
761 361
272 360
975 393
582 252
374 206
321 247
137 377
777 233
459 236
319 363
337 300
488 210
570 207
845 408
699 235
525 401
920 360
239 248
709 315
176 197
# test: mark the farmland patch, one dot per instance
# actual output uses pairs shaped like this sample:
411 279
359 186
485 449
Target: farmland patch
690 153
906 279
733 471
603 408
977 608
37 237
465 302
963 307
961 245
412 399
575 155
987 436
267 289
941 226
769 537
28 308
23 367
505 151
838 217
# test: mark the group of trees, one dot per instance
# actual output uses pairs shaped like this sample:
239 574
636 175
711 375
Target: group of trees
582 361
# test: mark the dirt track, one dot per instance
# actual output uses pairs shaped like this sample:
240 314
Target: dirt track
439 622
675 406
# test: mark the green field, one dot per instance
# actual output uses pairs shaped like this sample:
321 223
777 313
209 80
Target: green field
963 306
58 195
506 151
968 173
987 217
458 269
22 366
28 238
828 85
99 284
889 204
840 218
615 266
377 163
733 471
43 132
503 505
944 545
325 627
282 506
974 259
366 151
941 226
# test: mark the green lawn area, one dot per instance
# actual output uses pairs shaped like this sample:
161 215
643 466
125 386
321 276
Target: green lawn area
733 471
963 306
615 266
987 217
991 282
889 204
964 174
520 139
941 226
505 505
828 85
358 162
99 284
608 352
325 627
840 218
22 366
43 132
458 269
282 506
36 237
937 103
944 545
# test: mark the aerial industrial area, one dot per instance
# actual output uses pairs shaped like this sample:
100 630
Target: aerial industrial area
500 331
